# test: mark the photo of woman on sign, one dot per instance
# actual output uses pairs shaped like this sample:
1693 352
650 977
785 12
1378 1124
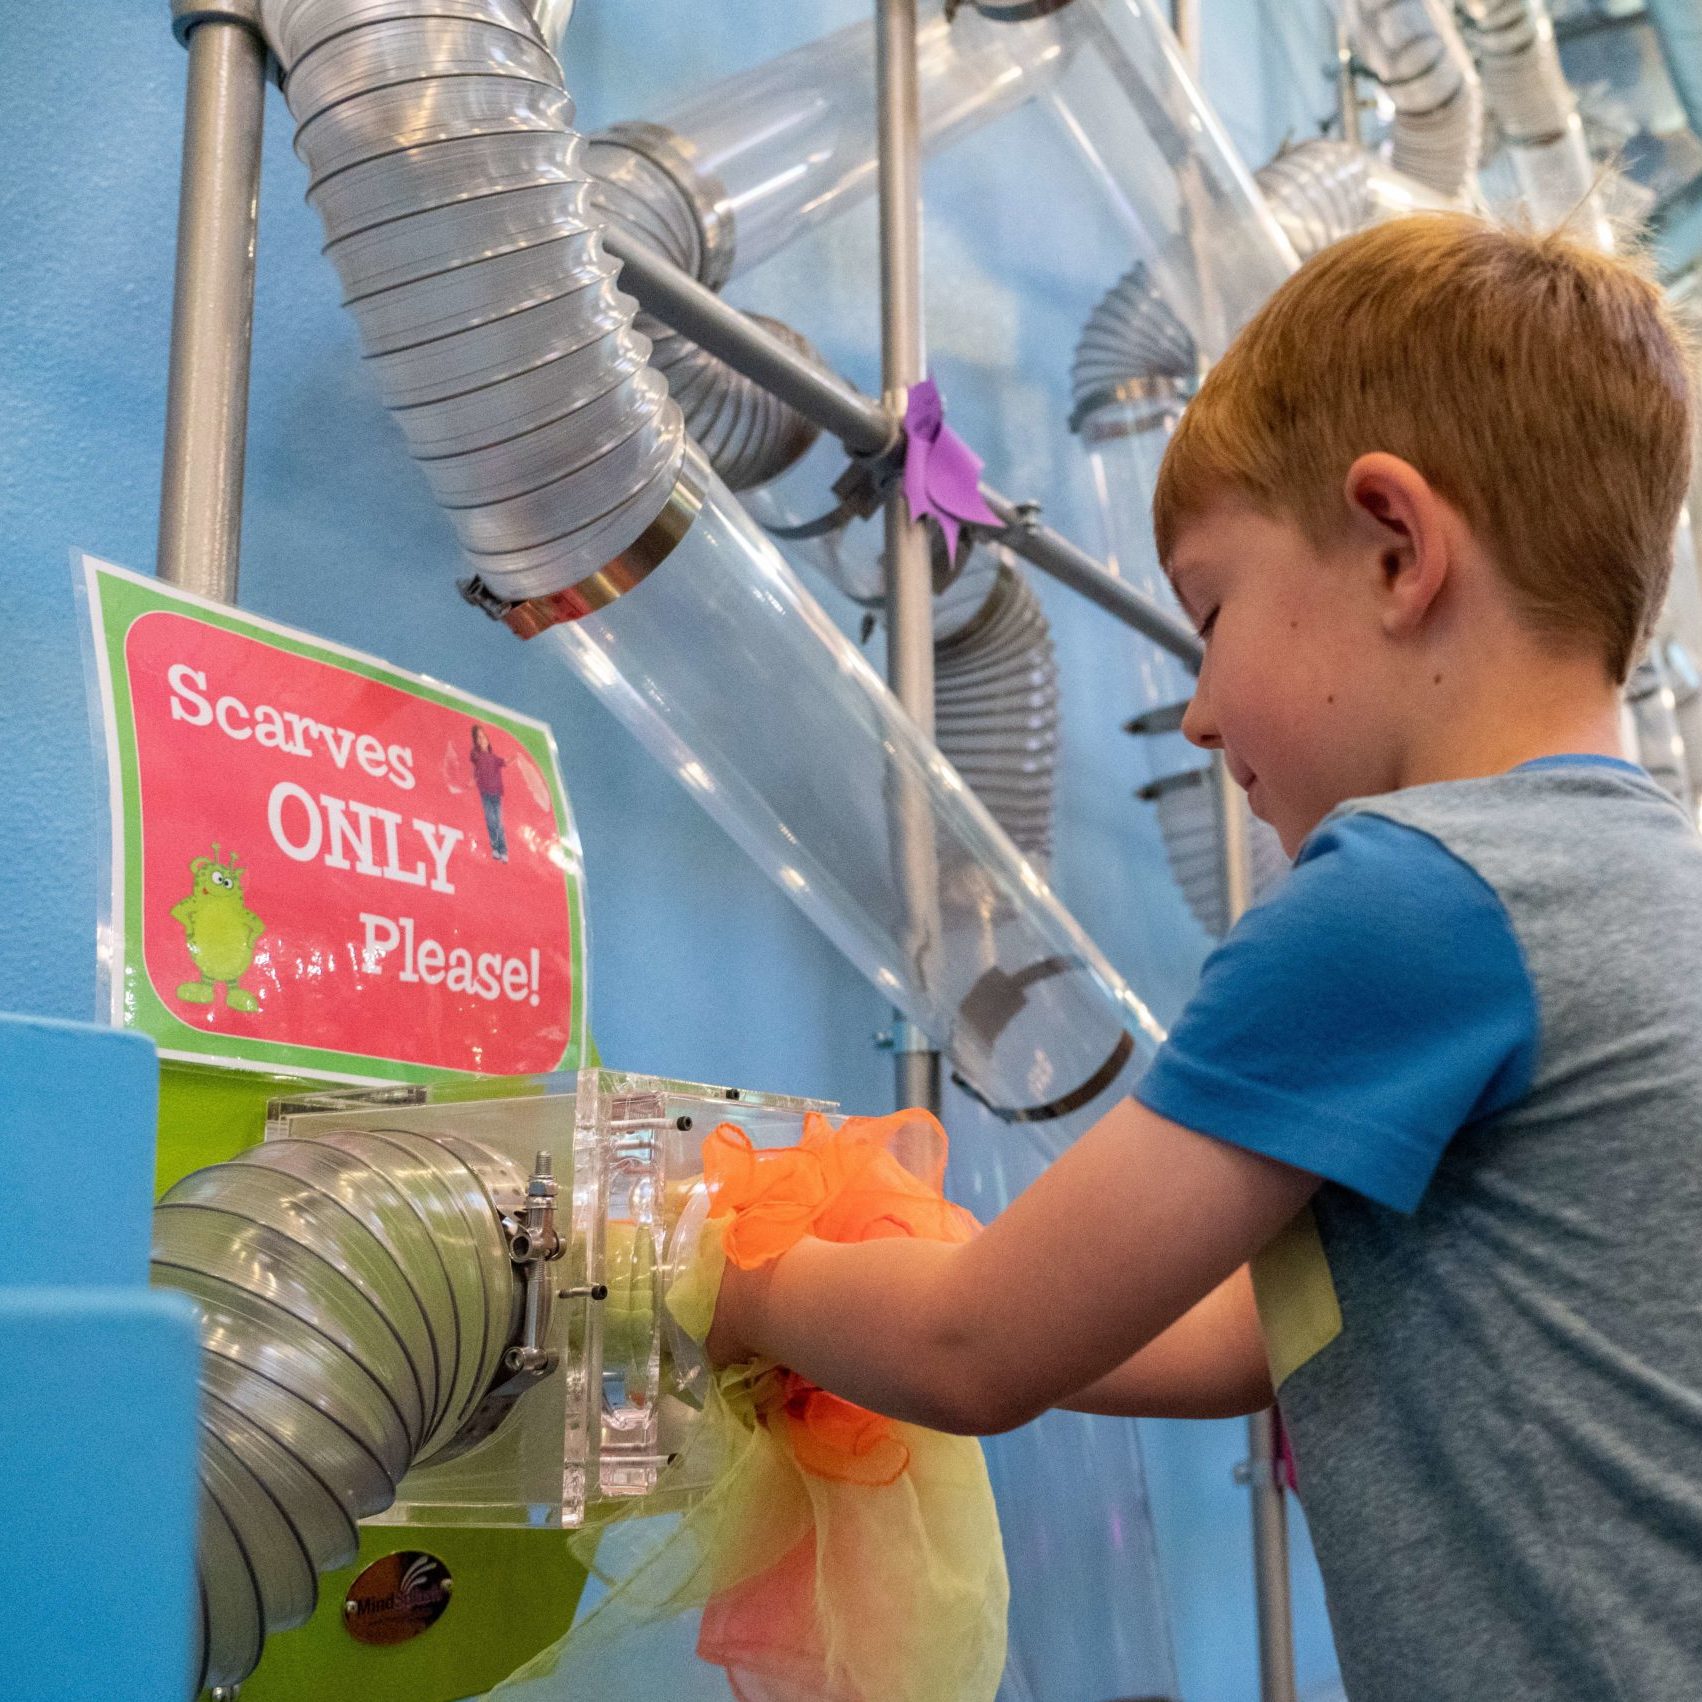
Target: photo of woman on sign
487 773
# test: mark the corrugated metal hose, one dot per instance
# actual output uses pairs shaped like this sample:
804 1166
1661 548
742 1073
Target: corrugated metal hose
356 1298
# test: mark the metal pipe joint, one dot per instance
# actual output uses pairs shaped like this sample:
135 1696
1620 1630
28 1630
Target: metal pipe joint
188 15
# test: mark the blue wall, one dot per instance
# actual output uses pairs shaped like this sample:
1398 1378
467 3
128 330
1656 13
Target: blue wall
699 967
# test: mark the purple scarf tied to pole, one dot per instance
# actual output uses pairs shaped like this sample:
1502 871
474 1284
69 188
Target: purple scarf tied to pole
942 474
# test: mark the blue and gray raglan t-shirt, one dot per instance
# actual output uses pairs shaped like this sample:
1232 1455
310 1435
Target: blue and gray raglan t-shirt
1475 1009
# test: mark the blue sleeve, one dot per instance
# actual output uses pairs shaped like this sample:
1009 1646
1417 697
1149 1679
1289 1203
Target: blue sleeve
1349 1026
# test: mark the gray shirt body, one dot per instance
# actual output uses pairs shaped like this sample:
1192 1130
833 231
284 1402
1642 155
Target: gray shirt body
1500 1454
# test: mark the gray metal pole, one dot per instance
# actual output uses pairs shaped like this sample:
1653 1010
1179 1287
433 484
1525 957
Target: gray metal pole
909 569
866 428
1347 87
206 422
1057 557
1271 1586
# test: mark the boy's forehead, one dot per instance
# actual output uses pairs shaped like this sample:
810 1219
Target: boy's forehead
1226 530
1202 534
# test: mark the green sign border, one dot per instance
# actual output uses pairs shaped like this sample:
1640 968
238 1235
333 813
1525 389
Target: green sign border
117 598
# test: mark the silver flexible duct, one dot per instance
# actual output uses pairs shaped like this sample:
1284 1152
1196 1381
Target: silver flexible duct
457 211
552 18
1189 805
748 433
1132 350
1321 191
643 183
1413 48
356 1297
1532 102
646 179
996 697
993 658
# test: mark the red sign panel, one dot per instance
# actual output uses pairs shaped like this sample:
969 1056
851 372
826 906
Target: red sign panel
328 864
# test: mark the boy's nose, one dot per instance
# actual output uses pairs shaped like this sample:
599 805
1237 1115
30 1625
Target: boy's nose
1198 728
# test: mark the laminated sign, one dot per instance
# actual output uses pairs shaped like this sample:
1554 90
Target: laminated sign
322 865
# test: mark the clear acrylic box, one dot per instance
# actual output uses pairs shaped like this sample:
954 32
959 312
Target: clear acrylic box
626 1153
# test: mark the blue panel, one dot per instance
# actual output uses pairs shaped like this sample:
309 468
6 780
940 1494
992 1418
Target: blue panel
77 1110
97 1419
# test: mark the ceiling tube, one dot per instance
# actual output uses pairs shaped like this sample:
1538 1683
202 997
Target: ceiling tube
1414 49
1537 115
444 164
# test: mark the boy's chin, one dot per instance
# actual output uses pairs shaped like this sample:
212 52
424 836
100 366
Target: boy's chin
1291 831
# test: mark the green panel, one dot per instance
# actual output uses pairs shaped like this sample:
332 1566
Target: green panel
208 1115
514 1593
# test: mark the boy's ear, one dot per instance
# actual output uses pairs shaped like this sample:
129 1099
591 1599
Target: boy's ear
1398 514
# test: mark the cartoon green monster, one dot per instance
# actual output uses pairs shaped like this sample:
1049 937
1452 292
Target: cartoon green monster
221 932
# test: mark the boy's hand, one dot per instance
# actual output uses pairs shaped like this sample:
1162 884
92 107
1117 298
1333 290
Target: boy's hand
1136 1224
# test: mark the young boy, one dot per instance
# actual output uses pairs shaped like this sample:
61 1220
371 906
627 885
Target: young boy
1423 1156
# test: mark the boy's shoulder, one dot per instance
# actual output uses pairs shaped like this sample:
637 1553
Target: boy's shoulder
1560 786
1544 827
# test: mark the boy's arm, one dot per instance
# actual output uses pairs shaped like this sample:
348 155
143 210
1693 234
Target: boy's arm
1134 1226
1211 1363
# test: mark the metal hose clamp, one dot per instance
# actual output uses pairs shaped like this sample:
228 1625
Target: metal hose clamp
187 15
676 157
1018 11
614 578
1163 399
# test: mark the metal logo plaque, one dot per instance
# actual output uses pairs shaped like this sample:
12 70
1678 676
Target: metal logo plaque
397 1598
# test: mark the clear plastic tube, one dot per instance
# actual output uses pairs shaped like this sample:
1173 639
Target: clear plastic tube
1072 1495
1125 442
790 143
734 677
1128 102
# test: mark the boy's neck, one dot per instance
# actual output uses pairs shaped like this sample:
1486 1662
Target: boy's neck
1498 721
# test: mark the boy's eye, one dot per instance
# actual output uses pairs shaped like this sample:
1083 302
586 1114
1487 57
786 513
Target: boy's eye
1207 624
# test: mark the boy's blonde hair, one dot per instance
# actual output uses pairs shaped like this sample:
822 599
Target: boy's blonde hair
1542 387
